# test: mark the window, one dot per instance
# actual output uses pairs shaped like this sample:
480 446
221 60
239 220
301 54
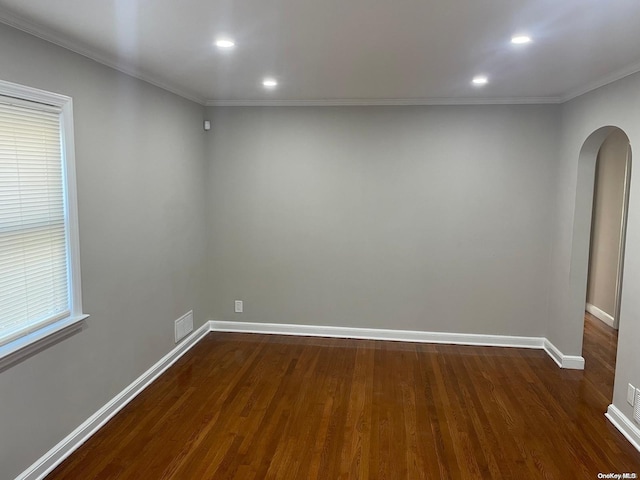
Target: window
39 269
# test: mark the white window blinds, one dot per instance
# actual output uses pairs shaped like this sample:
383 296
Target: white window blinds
34 267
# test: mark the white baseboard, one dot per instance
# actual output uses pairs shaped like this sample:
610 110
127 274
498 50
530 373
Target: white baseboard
379 334
563 361
50 460
601 315
624 425
573 362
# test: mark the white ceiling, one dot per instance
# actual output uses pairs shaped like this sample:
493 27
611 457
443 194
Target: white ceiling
349 51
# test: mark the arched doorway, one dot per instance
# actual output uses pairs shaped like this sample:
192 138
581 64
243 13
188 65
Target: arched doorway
605 164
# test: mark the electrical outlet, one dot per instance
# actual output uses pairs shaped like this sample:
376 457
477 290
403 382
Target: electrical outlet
239 306
631 394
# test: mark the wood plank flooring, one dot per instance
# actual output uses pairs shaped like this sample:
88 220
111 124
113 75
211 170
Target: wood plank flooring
243 406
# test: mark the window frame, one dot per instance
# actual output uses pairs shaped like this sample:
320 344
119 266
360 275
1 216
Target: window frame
36 337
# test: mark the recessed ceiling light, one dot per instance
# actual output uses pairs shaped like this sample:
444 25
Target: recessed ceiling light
269 83
520 39
480 80
225 43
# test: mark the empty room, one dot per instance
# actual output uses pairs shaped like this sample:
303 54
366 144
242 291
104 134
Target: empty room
303 239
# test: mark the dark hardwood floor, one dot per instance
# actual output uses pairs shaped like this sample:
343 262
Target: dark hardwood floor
255 406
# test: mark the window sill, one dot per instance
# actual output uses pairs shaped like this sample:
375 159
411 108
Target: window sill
41 338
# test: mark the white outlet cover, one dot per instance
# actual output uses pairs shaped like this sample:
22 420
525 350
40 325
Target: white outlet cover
631 394
239 306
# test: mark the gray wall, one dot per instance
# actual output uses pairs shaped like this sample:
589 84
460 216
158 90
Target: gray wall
583 119
606 224
140 163
419 218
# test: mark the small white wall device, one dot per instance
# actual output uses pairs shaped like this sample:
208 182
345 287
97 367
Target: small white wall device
207 125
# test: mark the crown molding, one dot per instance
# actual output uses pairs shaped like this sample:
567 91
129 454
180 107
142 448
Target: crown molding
606 80
52 37
332 102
